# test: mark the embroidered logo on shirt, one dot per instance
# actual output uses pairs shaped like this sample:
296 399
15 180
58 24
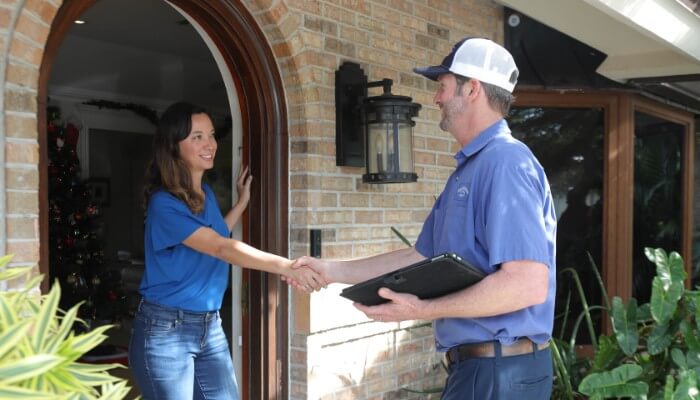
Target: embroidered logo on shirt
462 192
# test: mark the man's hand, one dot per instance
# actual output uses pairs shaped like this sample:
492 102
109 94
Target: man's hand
305 279
401 307
316 265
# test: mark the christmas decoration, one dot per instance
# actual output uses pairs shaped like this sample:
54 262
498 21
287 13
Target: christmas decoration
76 257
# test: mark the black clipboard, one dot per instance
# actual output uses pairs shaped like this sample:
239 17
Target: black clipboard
433 277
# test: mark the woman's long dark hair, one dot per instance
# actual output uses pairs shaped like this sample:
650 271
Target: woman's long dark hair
167 170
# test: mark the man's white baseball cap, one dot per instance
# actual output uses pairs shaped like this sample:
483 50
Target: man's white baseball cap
480 59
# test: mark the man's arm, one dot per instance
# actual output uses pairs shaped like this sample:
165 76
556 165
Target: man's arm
359 270
516 285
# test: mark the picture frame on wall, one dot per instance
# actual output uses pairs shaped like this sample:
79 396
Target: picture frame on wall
99 189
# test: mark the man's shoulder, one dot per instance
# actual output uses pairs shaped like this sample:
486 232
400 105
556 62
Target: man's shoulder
505 150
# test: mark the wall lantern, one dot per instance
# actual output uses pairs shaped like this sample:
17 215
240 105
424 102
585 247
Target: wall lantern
376 132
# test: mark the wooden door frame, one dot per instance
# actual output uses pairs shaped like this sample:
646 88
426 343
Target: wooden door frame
252 64
618 173
686 120
616 226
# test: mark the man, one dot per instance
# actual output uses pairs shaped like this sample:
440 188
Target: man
496 212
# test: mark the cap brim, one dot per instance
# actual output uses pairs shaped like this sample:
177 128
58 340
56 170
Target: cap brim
432 72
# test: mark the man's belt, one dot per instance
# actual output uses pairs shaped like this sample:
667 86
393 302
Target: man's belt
488 349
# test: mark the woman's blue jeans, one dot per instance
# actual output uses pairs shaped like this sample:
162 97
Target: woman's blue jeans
178 355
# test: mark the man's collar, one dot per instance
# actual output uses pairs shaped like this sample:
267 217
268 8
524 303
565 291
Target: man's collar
498 128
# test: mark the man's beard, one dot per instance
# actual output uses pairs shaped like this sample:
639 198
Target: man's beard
450 110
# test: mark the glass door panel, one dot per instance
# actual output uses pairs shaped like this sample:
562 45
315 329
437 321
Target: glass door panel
658 195
568 142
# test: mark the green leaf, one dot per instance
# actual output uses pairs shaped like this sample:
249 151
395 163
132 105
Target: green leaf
26 368
33 283
687 388
693 359
659 339
608 354
677 268
81 344
668 388
63 330
68 382
695 301
8 316
625 325
13 273
14 392
86 368
62 385
644 313
691 339
94 378
679 358
4 260
616 383
561 369
114 391
12 335
45 317
664 299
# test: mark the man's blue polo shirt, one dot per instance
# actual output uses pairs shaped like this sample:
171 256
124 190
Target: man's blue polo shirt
176 275
496 207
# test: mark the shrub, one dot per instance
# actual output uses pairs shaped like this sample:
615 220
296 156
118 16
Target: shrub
653 351
39 352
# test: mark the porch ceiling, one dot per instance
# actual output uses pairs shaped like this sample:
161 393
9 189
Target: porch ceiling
647 42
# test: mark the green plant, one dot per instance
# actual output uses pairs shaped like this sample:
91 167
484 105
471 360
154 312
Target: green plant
39 352
653 351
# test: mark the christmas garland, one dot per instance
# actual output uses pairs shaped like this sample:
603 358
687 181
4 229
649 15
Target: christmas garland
138 109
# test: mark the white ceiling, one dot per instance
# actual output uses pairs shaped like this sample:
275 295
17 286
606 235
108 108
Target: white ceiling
144 24
644 40
141 51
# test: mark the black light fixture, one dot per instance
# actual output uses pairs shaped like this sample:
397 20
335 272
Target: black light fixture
376 132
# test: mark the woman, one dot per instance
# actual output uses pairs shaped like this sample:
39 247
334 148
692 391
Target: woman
178 349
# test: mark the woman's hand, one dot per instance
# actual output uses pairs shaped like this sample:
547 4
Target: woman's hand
316 265
305 279
243 186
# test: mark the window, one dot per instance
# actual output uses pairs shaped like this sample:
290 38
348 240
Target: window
568 142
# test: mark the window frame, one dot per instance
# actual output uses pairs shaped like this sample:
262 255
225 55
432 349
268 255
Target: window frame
618 173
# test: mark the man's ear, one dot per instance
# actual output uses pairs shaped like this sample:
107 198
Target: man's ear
474 87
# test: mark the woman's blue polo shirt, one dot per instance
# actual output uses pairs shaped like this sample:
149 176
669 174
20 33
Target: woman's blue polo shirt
176 275
496 207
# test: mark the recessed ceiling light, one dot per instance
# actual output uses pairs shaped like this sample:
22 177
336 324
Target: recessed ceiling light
79 21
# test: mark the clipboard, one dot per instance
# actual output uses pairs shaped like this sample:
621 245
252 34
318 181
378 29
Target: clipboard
433 277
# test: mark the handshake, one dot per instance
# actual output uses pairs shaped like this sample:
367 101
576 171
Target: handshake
308 274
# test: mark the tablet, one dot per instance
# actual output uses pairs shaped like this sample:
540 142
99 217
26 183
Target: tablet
432 277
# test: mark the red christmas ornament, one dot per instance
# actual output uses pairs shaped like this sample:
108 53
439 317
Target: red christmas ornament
69 241
92 210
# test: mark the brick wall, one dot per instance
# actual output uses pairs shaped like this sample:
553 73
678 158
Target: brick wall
336 353
24 28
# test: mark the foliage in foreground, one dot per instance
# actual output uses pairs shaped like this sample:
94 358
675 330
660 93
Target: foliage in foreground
653 351
39 352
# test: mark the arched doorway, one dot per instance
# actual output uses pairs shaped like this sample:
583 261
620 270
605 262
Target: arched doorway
252 68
